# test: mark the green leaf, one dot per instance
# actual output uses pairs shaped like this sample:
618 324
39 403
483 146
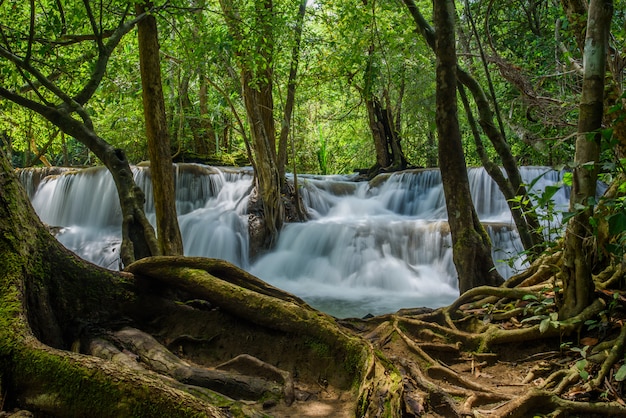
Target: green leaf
568 179
543 325
617 223
548 193
621 373
533 318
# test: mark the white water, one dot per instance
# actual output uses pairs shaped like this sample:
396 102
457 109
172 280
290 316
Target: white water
369 247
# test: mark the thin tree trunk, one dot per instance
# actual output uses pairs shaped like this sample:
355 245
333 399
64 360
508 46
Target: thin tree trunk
291 92
485 120
161 168
471 245
257 81
579 240
209 139
138 238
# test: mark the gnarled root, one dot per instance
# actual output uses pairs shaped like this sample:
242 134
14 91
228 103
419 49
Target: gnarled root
149 352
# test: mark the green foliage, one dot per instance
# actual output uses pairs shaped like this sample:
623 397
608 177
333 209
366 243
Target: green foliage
339 41
542 310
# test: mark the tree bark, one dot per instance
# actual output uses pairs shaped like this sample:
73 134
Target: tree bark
471 245
383 125
528 224
138 238
257 81
48 298
161 168
291 92
579 237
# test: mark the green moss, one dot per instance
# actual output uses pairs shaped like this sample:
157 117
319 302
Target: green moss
356 357
76 389
320 349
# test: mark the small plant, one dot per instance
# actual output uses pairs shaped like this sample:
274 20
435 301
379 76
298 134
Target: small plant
542 310
581 365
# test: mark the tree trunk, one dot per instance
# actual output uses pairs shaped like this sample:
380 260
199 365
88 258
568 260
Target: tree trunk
383 125
471 245
51 302
48 300
138 238
161 168
579 237
257 81
209 138
389 154
376 119
528 223
291 93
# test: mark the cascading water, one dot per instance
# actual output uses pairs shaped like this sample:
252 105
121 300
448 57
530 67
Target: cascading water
369 247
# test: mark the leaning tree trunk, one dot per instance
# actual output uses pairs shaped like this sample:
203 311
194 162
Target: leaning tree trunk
291 92
471 244
48 299
579 237
138 238
161 169
527 222
69 345
256 66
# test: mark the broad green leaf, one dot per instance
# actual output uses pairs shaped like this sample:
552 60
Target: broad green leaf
621 373
617 223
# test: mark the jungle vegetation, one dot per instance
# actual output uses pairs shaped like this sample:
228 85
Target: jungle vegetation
318 87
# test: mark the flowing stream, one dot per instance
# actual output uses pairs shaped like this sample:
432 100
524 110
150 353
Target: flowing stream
369 247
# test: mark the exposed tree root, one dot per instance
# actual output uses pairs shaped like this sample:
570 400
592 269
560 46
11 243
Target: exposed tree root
232 336
419 343
539 401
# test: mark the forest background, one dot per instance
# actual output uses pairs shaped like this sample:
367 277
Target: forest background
348 52
370 95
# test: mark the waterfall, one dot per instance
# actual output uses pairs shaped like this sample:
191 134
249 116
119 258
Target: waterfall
369 247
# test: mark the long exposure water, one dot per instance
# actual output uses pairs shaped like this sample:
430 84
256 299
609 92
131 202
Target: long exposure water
368 248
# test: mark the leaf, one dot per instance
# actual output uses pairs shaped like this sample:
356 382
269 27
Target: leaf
621 373
543 325
581 365
568 178
548 194
533 318
617 223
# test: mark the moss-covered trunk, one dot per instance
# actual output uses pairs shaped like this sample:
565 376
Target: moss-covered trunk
579 238
48 299
471 244
57 313
161 169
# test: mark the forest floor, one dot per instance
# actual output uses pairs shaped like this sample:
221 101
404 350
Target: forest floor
509 373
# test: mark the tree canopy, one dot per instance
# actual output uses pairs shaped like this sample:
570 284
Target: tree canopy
318 87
